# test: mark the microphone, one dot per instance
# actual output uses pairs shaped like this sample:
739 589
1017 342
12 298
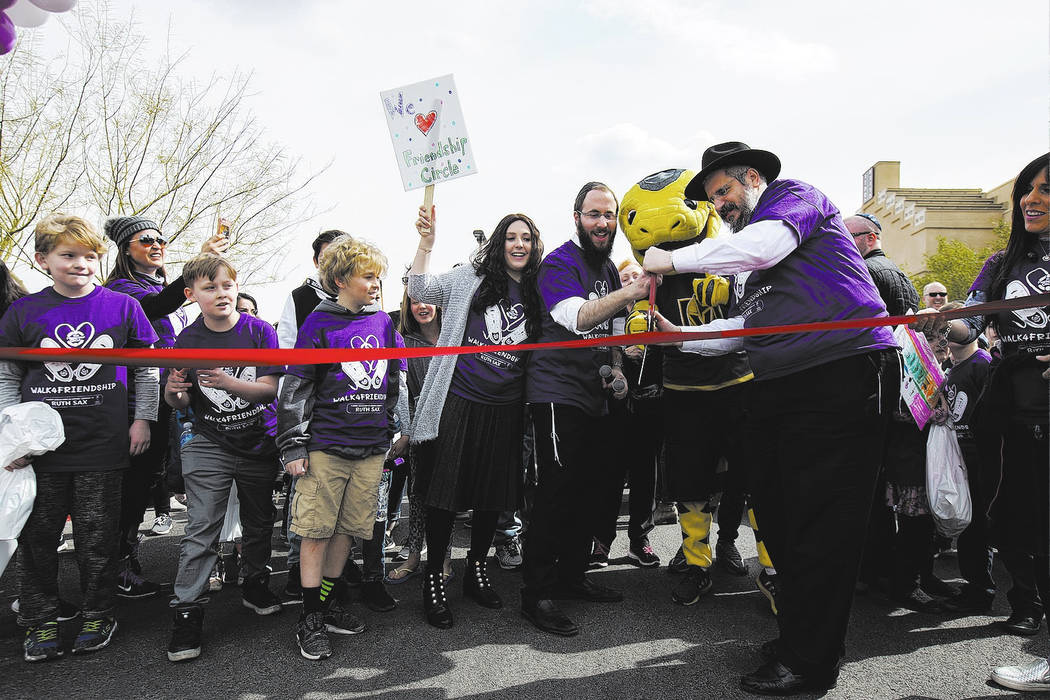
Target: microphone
605 371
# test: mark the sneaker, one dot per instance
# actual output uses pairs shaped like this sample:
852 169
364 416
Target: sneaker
312 637
1034 676
256 595
728 557
767 583
599 555
66 610
918 600
695 583
338 620
131 584
42 642
641 553
216 577
186 633
508 554
294 585
161 525
678 564
177 502
95 633
403 554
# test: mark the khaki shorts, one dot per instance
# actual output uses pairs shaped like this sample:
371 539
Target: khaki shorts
337 496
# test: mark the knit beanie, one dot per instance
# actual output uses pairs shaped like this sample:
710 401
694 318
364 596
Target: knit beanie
121 228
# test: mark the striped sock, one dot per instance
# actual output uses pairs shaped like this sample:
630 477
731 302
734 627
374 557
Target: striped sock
327 591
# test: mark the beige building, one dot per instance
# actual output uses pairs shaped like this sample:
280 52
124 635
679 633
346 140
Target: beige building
914 218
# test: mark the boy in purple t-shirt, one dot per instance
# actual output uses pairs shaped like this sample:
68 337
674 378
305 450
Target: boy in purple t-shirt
82 477
334 425
229 446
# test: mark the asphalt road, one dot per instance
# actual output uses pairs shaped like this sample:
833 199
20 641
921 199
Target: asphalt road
645 647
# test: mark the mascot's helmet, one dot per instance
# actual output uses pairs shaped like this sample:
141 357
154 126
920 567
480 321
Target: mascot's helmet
656 212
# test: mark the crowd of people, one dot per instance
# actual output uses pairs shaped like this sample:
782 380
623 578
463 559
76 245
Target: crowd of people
806 433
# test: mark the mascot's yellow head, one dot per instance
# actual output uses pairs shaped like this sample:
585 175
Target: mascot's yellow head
656 212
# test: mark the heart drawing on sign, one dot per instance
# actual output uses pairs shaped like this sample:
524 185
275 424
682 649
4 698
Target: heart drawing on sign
425 123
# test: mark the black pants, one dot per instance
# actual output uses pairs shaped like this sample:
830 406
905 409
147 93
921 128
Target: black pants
975 554
92 499
572 451
143 479
636 432
816 436
439 532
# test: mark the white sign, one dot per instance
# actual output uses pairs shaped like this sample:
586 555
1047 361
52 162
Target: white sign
427 131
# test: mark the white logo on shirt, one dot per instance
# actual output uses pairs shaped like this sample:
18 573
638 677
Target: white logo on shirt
224 401
81 337
1038 280
505 326
601 289
364 375
958 402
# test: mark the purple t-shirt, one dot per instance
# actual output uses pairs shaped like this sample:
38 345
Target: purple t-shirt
350 409
229 421
167 327
570 376
494 378
824 279
92 399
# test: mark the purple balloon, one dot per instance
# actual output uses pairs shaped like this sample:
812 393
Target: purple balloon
4 4
7 33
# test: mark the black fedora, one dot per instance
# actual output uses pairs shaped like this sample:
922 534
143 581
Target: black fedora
731 153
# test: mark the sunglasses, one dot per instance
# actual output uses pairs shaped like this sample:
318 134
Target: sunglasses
937 294
148 240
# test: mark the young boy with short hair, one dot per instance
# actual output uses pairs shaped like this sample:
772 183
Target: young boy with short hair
333 429
83 476
229 446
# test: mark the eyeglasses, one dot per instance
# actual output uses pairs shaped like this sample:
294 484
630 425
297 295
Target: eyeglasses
148 240
865 233
595 215
937 294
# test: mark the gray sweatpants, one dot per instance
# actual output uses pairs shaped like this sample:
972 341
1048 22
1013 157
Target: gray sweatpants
209 471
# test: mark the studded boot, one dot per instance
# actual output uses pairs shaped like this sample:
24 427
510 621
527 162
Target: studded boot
435 605
476 585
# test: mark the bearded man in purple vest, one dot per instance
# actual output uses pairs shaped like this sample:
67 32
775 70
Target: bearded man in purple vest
815 416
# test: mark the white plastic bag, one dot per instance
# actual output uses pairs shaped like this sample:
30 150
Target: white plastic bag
26 429
947 487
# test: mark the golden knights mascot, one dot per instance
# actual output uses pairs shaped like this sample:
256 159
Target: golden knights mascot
703 400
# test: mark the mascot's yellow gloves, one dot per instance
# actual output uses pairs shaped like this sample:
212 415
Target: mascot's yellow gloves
709 292
638 319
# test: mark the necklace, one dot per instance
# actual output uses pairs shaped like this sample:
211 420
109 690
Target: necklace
1046 249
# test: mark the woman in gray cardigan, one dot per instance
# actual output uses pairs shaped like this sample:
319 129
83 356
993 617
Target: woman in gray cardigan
467 427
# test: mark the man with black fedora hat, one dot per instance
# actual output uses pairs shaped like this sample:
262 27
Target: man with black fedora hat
815 404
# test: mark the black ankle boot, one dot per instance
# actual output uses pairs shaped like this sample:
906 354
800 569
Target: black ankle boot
476 585
435 606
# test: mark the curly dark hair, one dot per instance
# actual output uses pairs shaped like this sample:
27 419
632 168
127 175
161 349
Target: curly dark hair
489 264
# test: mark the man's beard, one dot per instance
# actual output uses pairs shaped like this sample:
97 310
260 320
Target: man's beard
746 209
591 253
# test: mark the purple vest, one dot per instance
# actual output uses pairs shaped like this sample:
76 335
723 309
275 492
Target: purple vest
824 279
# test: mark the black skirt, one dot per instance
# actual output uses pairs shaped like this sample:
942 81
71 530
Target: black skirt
476 460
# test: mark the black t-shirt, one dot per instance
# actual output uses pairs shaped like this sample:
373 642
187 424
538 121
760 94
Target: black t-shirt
963 385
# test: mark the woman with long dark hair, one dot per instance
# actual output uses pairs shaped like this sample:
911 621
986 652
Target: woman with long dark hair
469 418
139 272
1013 414
10 288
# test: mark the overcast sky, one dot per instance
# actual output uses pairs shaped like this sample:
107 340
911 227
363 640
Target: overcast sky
558 93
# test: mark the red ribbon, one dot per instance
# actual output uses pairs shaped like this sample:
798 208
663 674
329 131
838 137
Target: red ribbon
227 357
